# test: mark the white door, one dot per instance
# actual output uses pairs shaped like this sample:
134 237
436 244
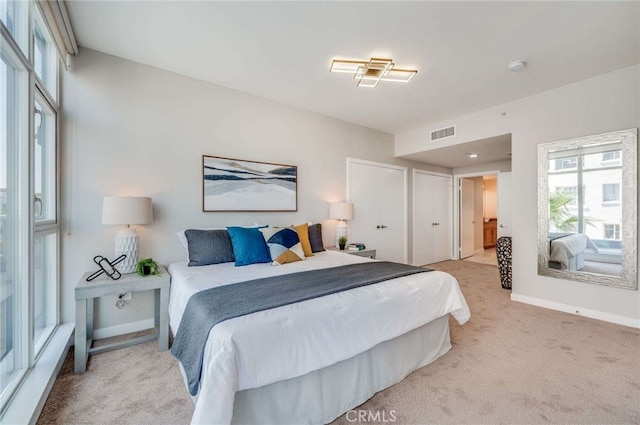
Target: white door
504 204
467 218
379 196
432 218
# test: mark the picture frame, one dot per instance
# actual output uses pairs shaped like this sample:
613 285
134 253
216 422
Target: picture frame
239 185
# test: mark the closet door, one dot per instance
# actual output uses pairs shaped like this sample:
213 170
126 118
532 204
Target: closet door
432 217
379 196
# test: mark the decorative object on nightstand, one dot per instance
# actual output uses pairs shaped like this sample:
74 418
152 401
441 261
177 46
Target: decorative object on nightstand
342 211
87 292
147 267
342 242
127 210
107 267
368 253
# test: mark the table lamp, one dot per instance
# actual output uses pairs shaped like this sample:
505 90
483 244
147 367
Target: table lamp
342 211
127 210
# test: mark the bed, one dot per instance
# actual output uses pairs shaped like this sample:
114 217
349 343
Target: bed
312 361
566 250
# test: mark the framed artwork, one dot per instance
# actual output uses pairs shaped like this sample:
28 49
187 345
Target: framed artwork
238 185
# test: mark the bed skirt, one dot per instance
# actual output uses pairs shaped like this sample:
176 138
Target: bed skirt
324 395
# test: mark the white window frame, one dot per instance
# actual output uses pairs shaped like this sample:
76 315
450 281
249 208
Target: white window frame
27 352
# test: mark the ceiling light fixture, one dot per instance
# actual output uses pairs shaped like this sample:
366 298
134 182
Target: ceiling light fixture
369 74
516 65
472 155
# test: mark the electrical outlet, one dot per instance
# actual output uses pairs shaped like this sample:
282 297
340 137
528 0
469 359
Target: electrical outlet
127 296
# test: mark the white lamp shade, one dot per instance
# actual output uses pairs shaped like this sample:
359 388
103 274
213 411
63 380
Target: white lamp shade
126 210
341 210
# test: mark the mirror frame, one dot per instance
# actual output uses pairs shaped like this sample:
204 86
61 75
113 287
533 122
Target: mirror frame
629 276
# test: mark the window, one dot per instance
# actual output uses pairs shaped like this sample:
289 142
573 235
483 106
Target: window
611 192
28 184
612 231
44 151
571 191
45 57
566 163
611 156
14 16
11 224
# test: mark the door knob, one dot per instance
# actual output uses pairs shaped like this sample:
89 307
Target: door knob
381 226
502 226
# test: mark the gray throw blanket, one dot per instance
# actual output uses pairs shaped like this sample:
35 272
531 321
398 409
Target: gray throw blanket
207 308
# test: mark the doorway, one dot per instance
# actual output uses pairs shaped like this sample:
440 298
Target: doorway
480 214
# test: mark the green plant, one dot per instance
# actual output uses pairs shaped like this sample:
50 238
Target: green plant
342 240
559 213
147 263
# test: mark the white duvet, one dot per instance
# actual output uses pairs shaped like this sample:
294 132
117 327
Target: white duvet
289 341
565 248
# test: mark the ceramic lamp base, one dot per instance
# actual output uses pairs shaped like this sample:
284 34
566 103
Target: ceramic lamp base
341 230
127 243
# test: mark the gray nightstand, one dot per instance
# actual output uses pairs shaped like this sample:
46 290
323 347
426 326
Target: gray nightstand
370 253
87 292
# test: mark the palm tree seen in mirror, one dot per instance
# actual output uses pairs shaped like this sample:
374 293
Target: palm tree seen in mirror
560 217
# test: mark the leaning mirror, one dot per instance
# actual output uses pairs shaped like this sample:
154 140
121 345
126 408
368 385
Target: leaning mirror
587 209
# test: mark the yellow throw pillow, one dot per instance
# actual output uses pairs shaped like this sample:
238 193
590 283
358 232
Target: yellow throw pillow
303 234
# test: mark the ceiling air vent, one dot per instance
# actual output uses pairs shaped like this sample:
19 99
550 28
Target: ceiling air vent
443 133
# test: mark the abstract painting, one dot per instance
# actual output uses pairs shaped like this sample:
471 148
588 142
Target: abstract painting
239 185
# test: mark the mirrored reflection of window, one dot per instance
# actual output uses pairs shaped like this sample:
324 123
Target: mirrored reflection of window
611 192
611 156
589 235
571 191
565 163
612 231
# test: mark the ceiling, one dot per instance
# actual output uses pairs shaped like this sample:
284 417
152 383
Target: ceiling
282 50
492 149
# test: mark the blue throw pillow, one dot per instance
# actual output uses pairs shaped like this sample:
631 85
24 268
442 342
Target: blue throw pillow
249 246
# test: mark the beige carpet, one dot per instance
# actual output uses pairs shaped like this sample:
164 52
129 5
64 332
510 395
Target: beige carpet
510 364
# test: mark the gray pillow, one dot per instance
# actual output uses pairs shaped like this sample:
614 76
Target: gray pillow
315 237
209 247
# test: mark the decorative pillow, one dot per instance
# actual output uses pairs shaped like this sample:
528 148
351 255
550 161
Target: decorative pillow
208 247
284 245
183 238
249 246
303 233
315 237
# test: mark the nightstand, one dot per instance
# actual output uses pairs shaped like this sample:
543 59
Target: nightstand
87 292
369 253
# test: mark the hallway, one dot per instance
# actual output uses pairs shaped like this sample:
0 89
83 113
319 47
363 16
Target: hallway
486 257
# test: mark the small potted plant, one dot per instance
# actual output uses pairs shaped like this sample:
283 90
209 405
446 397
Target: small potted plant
147 267
342 242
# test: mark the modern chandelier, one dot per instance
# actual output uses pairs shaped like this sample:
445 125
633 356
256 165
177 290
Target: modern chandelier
369 74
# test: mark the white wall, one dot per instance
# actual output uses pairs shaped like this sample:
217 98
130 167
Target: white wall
130 129
598 105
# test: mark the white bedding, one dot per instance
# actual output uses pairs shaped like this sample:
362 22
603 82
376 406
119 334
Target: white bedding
565 248
286 342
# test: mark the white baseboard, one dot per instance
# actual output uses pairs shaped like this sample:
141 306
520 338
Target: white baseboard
126 328
566 308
